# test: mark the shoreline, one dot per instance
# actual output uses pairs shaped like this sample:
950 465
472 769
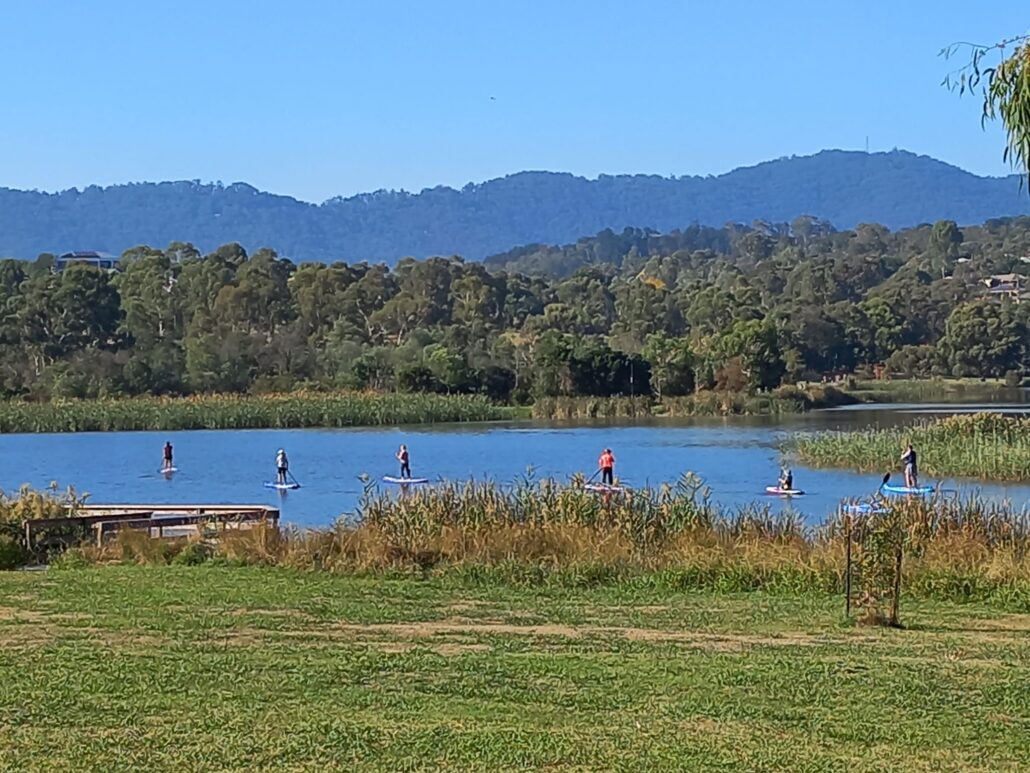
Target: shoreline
345 409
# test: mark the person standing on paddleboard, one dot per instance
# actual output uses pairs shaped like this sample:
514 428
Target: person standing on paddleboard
282 465
607 465
405 460
911 467
166 464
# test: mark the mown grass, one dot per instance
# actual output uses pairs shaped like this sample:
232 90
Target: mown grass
229 668
986 445
294 410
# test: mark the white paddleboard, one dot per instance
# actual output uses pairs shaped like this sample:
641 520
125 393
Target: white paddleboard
784 492
403 481
865 508
168 471
603 488
281 486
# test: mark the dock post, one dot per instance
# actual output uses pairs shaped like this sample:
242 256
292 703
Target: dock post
847 565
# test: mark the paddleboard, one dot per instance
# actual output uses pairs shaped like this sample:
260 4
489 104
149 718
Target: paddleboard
902 490
404 481
865 508
603 488
783 492
281 486
169 471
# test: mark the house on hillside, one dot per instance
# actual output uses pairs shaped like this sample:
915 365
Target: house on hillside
1010 286
99 260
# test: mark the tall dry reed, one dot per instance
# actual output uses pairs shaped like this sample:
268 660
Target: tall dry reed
547 532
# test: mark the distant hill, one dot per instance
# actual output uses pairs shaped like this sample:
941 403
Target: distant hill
896 189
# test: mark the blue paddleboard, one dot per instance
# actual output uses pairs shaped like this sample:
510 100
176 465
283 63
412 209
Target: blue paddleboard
887 488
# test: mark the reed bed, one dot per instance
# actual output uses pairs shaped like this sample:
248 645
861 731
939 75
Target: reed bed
564 408
782 401
545 532
279 411
927 390
987 446
734 404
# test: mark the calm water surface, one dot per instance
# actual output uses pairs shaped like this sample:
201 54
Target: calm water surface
737 457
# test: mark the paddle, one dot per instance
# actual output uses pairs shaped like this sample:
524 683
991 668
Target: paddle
293 478
591 478
879 492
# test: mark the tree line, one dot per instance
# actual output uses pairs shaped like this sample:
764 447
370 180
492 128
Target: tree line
736 308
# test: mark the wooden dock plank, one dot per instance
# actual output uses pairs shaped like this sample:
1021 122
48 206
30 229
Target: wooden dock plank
105 518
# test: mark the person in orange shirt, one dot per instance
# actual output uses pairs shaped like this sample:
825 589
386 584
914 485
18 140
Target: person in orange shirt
607 465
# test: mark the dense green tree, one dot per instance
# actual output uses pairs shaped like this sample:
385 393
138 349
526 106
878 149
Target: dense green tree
945 241
672 364
985 338
754 349
744 307
149 299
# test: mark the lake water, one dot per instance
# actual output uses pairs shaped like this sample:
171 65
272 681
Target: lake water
737 457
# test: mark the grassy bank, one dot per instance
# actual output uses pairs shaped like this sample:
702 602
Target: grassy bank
548 535
353 409
929 390
987 446
295 410
218 668
782 401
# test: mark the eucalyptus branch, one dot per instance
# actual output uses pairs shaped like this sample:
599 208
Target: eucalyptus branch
1004 87
967 77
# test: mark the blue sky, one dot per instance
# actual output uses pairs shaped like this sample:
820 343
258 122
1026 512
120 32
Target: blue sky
313 98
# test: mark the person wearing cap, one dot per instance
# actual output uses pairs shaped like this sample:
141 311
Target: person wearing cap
282 464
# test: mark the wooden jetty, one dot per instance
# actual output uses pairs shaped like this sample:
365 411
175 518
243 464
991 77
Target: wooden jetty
158 520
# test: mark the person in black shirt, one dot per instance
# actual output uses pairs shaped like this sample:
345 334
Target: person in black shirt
911 467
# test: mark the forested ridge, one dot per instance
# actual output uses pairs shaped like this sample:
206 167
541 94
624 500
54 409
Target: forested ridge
898 189
736 308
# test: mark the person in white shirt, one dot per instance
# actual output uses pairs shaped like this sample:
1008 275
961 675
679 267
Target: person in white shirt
282 464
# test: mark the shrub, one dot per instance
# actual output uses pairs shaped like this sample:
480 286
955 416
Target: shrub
12 552
193 554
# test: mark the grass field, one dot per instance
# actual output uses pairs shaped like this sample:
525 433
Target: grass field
216 668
